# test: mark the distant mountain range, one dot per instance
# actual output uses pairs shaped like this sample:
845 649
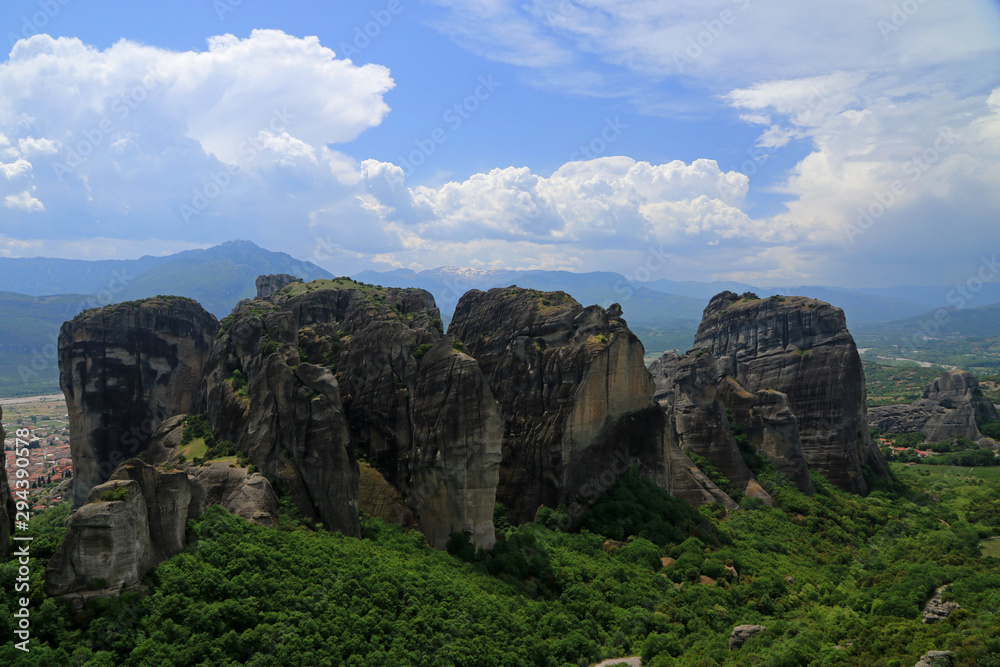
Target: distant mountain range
216 277
663 313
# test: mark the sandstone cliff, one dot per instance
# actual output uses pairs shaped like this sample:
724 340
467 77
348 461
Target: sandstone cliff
687 390
7 507
576 398
766 418
123 369
802 348
313 374
137 519
952 406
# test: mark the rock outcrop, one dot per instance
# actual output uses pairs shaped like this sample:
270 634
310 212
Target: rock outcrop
742 633
234 488
802 348
766 418
124 369
303 379
576 398
136 520
936 609
268 285
7 506
952 406
693 485
935 659
687 390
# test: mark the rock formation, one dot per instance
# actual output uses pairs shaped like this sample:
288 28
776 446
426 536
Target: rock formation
306 377
802 348
137 519
936 609
268 285
219 482
693 485
576 398
935 659
687 390
123 369
952 406
742 633
7 506
766 418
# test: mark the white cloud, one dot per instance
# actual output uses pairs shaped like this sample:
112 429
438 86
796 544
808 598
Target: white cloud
614 204
23 201
135 140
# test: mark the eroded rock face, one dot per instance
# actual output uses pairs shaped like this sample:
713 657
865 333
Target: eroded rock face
268 285
107 544
767 419
576 398
333 368
802 348
687 389
243 493
951 407
694 486
7 506
124 369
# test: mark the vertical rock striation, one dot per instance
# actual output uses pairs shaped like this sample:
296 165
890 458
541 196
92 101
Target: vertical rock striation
687 389
312 374
123 369
802 348
576 398
766 418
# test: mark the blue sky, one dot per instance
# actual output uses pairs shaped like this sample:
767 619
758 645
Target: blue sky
853 144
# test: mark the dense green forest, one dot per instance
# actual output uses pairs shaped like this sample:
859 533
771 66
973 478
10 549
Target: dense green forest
836 580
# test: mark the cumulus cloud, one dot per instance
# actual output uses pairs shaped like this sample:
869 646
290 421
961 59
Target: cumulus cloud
184 142
23 201
614 204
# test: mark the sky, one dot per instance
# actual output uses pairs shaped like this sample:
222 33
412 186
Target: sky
774 142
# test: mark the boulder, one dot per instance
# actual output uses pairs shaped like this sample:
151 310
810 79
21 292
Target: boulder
124 369
800 347
742 633
935 659
576 398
